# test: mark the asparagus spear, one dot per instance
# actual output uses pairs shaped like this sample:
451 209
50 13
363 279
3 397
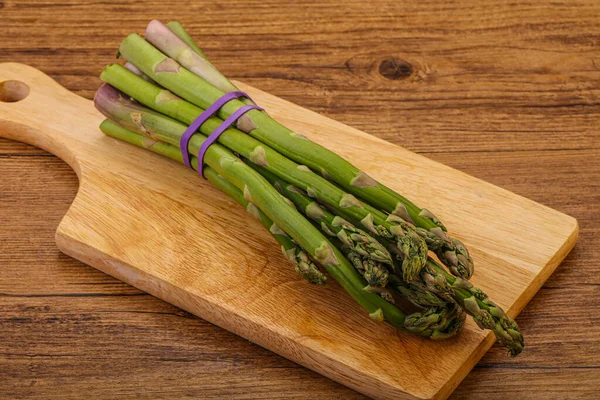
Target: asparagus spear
432 281
254 186
180 31
410 243
369 267
437 322
420 293
162 36
440 320
356 239
417 294
486 313
373 272
302 263
168 73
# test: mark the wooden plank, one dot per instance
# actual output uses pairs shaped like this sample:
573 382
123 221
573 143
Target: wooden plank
464 80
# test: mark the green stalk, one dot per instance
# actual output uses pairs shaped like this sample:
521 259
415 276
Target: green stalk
139 119
162 36
180 31
302 263
356 239
411 244
169 74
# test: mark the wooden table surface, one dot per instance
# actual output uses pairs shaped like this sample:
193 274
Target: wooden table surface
505 91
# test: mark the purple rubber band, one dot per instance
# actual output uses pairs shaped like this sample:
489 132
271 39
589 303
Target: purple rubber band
194 126
217 132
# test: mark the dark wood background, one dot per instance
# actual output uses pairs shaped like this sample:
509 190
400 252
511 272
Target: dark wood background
506 91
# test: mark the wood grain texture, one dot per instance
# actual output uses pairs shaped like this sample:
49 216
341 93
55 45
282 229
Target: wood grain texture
510 96
134 224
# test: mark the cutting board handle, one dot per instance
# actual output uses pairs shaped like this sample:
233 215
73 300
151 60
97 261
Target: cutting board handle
35 109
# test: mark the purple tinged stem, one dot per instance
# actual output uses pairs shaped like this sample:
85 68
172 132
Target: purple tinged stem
169 43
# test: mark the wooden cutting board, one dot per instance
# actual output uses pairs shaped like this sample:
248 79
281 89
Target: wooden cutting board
160 227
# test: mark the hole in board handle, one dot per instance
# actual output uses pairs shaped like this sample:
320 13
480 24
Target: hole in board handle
13 91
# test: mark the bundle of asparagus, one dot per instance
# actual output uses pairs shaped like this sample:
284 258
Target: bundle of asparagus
326 214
